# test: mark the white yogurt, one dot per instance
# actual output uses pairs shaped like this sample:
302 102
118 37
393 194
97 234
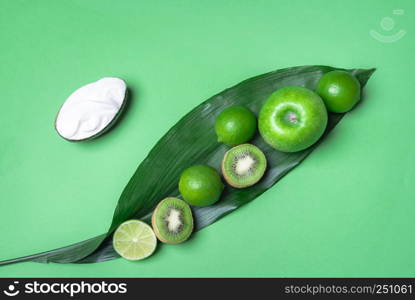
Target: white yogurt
91 108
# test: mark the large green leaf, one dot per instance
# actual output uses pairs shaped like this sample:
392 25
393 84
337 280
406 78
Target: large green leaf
193 141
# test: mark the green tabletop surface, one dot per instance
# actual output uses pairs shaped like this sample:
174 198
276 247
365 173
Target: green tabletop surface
347 211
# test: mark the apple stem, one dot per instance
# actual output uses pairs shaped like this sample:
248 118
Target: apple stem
292 117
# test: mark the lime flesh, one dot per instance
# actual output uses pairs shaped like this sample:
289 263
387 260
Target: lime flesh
134 240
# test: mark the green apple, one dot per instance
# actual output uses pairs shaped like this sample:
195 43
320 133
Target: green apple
339 90
292 119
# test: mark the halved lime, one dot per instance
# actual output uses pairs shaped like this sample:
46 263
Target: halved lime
134 240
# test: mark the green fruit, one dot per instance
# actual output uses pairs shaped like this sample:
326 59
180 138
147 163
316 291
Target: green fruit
172 221
340 91
292 119
200 185
134 240
235 125
243 165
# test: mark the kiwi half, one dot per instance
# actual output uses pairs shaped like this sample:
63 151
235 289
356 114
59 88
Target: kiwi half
243 165
172 221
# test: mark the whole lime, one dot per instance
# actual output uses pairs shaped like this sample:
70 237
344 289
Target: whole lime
200 185
292 119
340 91
235 125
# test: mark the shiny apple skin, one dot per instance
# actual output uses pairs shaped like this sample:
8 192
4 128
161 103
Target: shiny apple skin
292 119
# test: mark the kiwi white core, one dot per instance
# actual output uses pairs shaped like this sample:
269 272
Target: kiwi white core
91 108
244 164
174 220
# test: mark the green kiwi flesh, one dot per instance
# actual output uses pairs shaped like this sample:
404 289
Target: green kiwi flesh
243 165
172 221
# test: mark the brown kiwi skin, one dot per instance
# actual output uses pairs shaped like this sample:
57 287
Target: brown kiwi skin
157 232
234 184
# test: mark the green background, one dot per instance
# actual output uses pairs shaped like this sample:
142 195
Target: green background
347 210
